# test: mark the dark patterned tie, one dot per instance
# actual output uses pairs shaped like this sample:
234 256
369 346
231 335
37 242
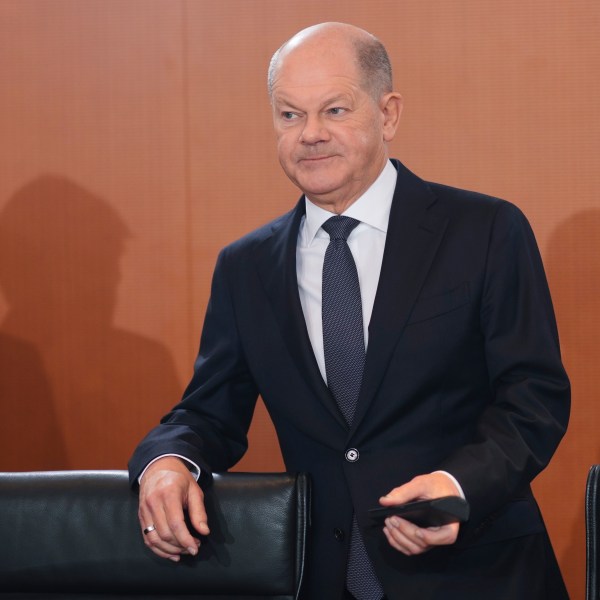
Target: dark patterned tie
344 348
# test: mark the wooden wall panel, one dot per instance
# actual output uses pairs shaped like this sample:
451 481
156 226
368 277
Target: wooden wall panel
136 142
93 214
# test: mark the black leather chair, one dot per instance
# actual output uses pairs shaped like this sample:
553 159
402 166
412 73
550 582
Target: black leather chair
592 520
75 535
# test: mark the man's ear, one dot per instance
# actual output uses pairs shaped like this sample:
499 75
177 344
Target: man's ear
391 108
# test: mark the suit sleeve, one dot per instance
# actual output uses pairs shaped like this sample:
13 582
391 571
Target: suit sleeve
521 427
210 424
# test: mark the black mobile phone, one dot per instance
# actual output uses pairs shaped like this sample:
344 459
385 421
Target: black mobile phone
426 513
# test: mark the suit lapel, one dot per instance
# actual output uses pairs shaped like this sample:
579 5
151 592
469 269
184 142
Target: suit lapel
415 230
276 265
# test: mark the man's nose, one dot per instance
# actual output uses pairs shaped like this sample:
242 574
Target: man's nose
314 130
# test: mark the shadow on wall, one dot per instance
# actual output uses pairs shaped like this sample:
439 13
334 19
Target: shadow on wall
573 266
75 392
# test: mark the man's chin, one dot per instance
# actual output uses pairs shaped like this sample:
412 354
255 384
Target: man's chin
317 185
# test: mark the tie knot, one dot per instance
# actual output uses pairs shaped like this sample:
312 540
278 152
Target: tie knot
339 227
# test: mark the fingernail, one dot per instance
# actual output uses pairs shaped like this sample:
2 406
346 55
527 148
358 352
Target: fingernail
193 551
174 558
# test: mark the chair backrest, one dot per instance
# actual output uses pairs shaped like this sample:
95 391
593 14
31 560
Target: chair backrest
77 532
592 523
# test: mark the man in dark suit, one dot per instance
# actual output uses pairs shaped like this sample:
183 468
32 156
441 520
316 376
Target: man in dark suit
461 390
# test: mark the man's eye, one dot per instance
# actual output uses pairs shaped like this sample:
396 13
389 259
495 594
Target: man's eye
337 110
287 115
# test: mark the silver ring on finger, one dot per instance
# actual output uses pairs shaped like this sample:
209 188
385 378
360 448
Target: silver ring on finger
149 529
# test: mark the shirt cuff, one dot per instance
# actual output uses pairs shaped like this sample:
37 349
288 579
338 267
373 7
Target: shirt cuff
191 465
455 482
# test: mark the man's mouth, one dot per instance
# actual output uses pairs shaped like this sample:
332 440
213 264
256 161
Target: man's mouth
315 159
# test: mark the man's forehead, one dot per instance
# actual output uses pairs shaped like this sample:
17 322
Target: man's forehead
320 90
302 68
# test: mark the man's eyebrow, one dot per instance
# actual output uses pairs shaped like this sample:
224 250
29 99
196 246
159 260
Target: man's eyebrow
344 98
282 101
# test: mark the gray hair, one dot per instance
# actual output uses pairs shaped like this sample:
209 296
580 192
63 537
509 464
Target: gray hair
375 65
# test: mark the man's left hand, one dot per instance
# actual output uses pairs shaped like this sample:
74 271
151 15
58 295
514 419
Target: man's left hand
405 536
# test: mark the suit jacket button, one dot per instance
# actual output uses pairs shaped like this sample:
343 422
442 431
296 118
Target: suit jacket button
338 534
352 455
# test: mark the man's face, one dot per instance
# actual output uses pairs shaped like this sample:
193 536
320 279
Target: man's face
330 131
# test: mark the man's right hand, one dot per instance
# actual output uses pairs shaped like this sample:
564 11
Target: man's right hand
166 490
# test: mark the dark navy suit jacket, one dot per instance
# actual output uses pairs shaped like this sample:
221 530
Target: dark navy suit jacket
463 373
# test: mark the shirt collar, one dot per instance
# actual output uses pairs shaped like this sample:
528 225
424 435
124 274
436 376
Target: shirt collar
372 208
